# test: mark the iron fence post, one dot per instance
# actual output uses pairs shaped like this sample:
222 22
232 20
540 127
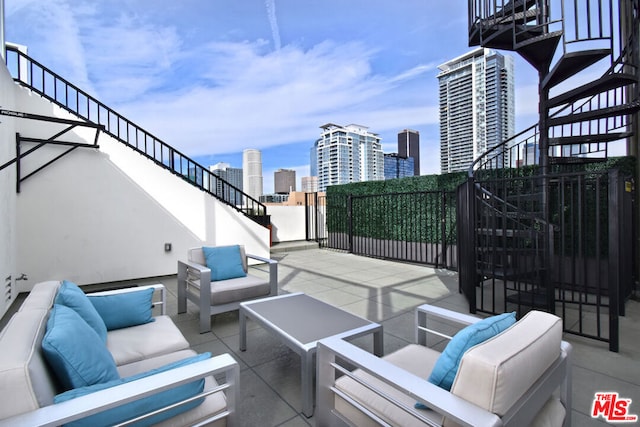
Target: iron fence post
443 224
615 221
350 222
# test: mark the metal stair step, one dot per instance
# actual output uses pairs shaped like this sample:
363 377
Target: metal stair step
588 139
617 110
605 83
497 36
506 273
515 5
571 64
575 160
538 50
505 233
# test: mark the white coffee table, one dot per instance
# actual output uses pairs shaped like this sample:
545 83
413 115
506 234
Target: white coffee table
300 321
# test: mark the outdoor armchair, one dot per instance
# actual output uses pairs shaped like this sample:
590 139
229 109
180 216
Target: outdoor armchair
219 282
519 377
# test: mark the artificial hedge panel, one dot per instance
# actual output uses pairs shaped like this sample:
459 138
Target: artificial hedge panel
410 209
405 209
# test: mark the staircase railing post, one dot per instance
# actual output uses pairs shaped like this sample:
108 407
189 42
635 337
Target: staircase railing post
543 146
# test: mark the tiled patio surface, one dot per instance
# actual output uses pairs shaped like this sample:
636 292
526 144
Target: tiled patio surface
385 292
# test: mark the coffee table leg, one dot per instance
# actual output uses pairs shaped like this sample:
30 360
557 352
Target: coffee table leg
306 377
378 347
243 330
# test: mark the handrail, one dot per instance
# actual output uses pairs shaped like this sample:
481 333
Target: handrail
496 153
38 78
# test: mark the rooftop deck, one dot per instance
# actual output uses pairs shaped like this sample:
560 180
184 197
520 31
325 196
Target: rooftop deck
385 292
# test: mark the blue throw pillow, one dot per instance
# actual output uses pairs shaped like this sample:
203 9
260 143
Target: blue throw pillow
225 262
73 297
75 352
123 310
142 406
446 367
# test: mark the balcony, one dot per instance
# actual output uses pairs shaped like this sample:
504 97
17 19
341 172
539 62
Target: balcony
385 292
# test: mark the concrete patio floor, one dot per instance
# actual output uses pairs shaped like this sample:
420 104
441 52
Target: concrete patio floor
385 292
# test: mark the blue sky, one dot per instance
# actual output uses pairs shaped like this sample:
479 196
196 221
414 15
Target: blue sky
215 77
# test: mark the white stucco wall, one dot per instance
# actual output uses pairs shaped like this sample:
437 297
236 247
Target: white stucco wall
7 195
100 215
288 223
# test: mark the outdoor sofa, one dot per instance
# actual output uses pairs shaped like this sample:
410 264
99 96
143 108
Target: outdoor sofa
54 344
519 377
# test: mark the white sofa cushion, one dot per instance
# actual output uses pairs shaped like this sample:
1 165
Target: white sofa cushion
145 365
25 380
418 360
144 341
212 405
41 296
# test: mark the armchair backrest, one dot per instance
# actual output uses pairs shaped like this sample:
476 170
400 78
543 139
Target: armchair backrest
197 255
497 373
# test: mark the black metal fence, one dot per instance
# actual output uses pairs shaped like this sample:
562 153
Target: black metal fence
415 227
579 265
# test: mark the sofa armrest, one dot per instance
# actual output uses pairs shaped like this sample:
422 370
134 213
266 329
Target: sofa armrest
334 353
273 271
427 312
64 412
156 287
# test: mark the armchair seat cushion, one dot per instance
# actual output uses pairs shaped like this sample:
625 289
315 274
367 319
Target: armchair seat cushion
416 359
238 289
144 341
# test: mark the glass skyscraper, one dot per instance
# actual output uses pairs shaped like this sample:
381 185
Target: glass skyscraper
396 166
409 147
477 108
231 175
345 154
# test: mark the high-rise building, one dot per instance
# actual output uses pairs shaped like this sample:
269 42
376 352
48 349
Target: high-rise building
284 181
477 109
409 147
252 172
345 154
232 176
396 166
309 184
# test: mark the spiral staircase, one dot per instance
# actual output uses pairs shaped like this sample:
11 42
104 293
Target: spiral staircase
549 229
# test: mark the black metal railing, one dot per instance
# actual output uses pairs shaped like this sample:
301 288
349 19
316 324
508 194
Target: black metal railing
590 271
540 231
417 227
38 78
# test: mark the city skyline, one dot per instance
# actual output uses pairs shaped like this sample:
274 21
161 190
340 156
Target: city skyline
233 75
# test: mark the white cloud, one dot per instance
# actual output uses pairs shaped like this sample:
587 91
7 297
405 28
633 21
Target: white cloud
258 98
